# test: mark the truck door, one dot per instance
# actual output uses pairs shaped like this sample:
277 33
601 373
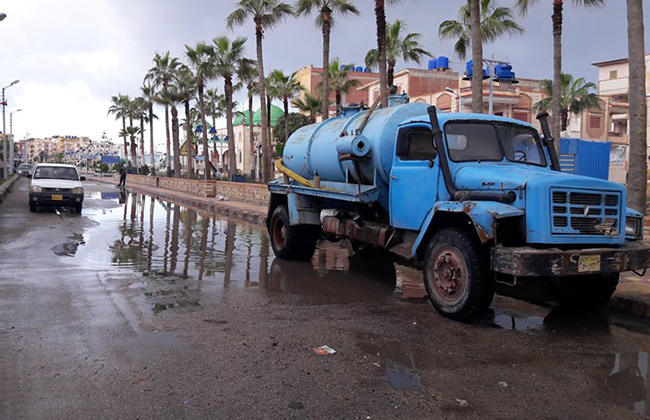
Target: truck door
413 177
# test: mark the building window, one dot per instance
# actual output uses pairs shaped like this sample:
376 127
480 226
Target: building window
613 74
594 121
521 116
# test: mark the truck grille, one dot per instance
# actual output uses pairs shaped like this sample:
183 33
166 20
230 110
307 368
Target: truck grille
57 190
585 213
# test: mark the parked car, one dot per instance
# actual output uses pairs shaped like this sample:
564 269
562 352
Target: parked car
25 169
56 185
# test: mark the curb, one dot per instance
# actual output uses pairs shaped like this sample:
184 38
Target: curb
5 188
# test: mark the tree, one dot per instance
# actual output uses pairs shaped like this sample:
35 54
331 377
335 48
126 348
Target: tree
148 91
119 108
477 55
265 14
294 121
213 107
308 104
200 59
325 21
247 75
285 88
140 110
495 22
131 132
341 82
577 96
186 87
380 17
171 96
558 5
408 48
637 185
160 75
226 56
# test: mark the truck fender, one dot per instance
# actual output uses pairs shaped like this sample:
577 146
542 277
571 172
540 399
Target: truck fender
303 210
483 215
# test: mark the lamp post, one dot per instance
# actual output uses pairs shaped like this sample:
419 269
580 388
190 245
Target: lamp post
11 138
4 130
459 98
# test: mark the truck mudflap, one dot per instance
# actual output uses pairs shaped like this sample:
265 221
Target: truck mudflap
527 261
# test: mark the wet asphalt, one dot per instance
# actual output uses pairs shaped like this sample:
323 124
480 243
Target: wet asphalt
143 309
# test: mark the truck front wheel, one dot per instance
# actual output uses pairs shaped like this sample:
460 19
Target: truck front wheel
291 242
456 275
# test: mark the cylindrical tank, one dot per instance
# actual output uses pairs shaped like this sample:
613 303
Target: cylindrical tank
323 148
432 64
442 62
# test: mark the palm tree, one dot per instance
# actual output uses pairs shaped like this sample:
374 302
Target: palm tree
215 107
380 17
186 86
284 87
131 132
325 21
558 5
477 55
577 96
637 185
148 95
226 56
160 75
308 104
341 82
495 22
172 97
247 75
140 108
408 48
200 59
119 105
265 14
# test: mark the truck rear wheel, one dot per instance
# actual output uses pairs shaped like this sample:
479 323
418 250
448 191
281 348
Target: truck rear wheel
586 292
456 275
291 242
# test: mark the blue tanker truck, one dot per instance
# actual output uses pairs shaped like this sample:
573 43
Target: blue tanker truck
473 200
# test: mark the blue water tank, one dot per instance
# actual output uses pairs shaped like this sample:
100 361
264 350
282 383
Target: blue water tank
584 157
366 70
442 62
504 71
359 69
469 69
432 64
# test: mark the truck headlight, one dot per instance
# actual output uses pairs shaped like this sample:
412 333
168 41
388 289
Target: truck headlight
35 189
633 228
77 190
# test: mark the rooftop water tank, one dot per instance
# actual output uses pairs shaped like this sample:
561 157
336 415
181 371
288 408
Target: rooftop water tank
442 62
432 64
359 69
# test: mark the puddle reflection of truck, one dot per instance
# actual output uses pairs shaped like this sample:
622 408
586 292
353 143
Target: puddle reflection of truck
474 200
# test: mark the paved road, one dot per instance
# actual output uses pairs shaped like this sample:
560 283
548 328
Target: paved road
143 309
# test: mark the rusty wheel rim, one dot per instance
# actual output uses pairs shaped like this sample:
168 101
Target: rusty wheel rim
449 274
279 233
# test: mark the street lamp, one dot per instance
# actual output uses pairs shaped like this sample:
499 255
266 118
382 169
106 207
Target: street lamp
4 130
458 97
11 138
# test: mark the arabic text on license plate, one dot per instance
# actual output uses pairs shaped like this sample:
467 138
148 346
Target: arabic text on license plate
588 263
57 197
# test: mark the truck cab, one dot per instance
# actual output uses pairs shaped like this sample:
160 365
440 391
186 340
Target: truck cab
472 199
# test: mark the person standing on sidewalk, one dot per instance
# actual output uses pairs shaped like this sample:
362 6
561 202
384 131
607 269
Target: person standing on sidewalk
122 177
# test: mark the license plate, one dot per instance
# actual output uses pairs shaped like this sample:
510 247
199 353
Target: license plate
588 263
57 197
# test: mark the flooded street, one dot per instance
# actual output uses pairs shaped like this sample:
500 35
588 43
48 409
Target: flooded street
142 308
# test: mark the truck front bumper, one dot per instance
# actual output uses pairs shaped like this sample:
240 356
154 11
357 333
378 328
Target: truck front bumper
528 261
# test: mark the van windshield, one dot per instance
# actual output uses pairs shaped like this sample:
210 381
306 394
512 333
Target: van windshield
492 141
56 172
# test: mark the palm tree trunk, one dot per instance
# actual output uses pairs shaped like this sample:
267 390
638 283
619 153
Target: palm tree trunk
390 75
232 153
285 101
251 137
637 175
338 99
269 101
380 17
168 162
188 141
142 142
477 56
205 130
126 152
326 63
175 143
266 143
151 146
556 106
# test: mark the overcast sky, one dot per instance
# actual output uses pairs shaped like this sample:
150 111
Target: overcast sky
71 56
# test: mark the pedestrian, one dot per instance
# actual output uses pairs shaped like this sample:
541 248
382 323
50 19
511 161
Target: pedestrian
122 177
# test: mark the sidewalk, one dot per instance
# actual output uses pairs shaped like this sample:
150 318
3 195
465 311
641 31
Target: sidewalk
632 294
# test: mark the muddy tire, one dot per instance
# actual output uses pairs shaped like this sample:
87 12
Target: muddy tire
585 292
457 276
291 242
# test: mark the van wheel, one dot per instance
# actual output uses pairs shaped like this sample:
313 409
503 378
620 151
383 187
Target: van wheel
32 207
291 242
585 292
456 275
78 208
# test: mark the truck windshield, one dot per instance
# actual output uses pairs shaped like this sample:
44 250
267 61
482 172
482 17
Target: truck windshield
480 141
56 172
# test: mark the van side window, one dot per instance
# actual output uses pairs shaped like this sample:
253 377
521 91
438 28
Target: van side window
415 143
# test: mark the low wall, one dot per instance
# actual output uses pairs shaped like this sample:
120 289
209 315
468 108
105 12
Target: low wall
237 191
